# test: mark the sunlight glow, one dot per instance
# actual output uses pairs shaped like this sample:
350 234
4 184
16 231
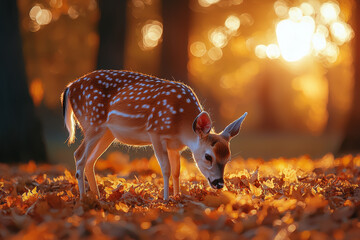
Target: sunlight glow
294 38
151 33
311 96
319 41
306 29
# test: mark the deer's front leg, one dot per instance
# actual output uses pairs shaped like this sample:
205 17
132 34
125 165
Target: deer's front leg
163 159
174 157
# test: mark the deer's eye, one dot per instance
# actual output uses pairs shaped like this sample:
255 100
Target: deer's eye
208 157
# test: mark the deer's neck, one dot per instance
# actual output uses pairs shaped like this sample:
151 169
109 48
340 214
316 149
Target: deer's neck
191 140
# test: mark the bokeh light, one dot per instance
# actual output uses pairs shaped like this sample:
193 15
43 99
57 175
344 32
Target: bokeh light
305 30
246 19
36 91
56 3
151 34
215 53
198 49
331 52
307 9
42 16
207 3
260 51
295 14
341 31
329 11
73 13
34 11
281 9
322 29
294 38
225 45
273 51
319 41
218 37
232 23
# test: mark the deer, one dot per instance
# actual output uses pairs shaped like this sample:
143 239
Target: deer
138 110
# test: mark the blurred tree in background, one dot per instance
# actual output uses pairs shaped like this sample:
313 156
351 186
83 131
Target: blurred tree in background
174 54
112 29
351 142
21 136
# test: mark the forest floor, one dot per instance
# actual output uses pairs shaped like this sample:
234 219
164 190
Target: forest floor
298 198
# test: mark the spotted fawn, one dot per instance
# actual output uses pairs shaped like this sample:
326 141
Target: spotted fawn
138 109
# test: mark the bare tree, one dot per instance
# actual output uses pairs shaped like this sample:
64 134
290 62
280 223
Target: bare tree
21 137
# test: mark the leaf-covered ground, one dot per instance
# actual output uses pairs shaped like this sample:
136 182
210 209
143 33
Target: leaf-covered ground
296 198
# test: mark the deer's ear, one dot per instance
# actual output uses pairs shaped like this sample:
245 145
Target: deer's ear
202 124
233 128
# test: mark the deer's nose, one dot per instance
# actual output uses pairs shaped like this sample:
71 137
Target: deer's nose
218 183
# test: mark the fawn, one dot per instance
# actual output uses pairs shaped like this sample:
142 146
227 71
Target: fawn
138 109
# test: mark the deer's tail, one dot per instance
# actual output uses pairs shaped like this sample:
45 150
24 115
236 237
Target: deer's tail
68 115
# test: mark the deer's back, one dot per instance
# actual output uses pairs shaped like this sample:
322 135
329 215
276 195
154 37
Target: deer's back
133 100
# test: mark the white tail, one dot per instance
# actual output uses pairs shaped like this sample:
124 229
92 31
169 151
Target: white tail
138 109
68 116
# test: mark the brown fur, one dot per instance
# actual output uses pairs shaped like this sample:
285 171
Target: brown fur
96 94
220 147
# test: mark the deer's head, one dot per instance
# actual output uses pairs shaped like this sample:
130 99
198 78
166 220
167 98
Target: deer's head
212 152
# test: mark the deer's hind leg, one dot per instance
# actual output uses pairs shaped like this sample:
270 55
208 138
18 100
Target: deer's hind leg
102 144
93 145
80 165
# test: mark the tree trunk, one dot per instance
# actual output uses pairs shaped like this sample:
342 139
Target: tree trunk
21 137
174 57
269 122
351 142
112 27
